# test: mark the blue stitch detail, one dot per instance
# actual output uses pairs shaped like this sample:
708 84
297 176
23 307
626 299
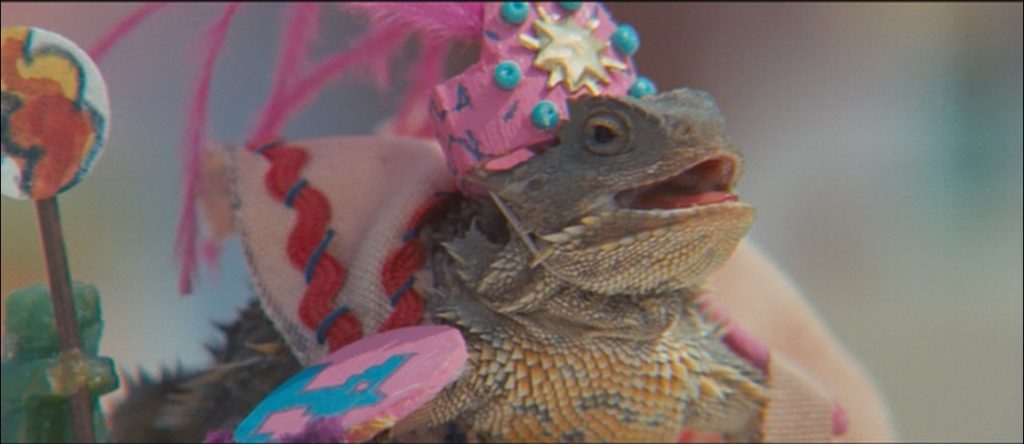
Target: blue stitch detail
473 146
401 290
289 198
469 143
410 235
321 331
441 114
492 35
267 147
510 112
464 99
448 194
311 264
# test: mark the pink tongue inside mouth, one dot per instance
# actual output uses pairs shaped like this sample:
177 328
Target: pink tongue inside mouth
706 183
670 201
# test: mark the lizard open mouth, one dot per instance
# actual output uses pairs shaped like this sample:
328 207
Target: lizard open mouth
705 183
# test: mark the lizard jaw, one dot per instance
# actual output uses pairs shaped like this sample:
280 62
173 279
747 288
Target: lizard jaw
707 182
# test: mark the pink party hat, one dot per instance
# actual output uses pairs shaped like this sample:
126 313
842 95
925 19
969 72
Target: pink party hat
533 58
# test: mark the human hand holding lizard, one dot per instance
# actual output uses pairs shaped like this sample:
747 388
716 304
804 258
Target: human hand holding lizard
758 296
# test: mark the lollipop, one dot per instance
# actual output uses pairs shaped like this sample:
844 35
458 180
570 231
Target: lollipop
55 115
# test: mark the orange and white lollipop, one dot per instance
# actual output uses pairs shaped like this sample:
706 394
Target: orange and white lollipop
56 113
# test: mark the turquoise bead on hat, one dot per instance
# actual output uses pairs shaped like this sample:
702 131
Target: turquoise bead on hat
544 115
507 74
642 87
514 13
625 40
570 6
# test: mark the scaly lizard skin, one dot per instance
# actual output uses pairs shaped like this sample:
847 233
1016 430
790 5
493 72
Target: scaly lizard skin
576 285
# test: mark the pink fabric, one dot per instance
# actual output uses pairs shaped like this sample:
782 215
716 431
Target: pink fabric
747 345
496 122
840 420
191 148
741 341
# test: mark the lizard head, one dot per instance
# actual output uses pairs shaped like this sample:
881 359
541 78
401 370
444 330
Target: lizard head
634 195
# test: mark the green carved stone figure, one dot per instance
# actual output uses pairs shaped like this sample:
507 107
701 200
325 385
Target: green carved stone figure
38 377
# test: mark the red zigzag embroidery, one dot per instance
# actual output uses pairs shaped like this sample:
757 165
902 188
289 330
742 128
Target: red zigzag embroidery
325 276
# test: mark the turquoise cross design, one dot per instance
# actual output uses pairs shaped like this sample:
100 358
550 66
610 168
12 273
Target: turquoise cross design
362 390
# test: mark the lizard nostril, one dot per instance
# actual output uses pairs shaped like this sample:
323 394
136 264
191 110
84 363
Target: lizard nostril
682 132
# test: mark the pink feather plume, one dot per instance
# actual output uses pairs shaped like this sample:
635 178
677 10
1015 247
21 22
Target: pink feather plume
296 84
192 146
452 21
390 25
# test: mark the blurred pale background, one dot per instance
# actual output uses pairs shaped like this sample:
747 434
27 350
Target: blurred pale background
883 145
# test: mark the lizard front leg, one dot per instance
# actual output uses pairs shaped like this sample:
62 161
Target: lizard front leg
466 394
731 399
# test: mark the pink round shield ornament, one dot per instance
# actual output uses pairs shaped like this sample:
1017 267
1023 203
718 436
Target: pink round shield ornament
361 389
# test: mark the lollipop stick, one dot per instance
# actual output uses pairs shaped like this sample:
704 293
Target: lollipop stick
63 308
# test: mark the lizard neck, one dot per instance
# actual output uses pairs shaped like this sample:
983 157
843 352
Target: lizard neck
485 273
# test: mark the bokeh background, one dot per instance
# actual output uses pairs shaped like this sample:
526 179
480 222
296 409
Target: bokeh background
883 146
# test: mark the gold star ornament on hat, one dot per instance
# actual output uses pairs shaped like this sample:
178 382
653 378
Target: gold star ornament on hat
569 52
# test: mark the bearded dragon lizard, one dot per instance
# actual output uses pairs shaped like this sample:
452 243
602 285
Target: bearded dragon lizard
575 285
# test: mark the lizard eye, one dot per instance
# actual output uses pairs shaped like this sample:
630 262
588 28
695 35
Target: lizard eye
606 134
